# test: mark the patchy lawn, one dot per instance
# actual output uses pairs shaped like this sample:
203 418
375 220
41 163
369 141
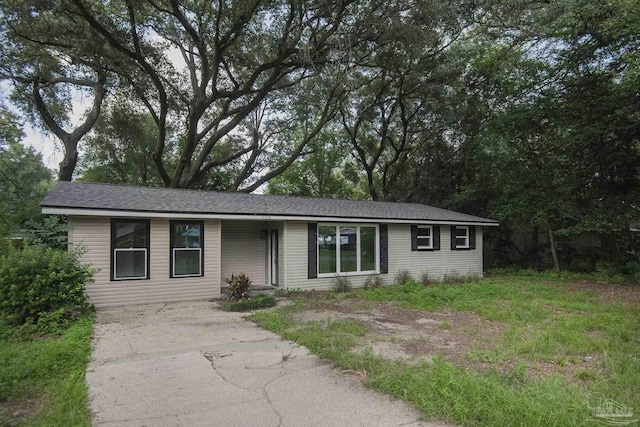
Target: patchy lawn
508 350
42 378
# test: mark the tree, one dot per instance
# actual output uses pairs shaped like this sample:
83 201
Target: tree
40 57
120 148
394 106
557 139
24 179
235 57
327 171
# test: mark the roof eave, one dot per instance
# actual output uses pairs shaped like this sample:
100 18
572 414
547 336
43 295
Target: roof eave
75 211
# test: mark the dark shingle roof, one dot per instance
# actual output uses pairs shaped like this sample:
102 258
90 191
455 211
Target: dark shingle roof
78 195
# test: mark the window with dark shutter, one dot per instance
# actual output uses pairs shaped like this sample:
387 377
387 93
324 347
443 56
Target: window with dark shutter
425 237
463 237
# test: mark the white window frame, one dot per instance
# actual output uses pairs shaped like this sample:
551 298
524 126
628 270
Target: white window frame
199 262
430 237
173 249
115 263
358 258
466 237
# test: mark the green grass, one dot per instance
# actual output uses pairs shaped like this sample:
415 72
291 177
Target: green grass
256 303
544 322
49 371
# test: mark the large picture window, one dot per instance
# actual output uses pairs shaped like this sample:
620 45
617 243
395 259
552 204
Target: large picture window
129 249
187 254
347 249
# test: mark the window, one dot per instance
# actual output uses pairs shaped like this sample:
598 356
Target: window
462 237
187 255
129 249
347 249
425 237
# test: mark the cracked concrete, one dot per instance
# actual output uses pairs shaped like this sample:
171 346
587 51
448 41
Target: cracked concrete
190 364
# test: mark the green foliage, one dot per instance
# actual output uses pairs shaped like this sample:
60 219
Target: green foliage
444 325
374 281
42 287
24 180
402 277
272 320
256 303
47 230
48 371
239 287
341 284
326 172
120 148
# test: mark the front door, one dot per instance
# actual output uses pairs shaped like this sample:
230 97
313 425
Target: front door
273 255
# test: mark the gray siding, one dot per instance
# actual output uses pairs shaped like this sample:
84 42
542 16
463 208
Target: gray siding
94 234
400 257
244 250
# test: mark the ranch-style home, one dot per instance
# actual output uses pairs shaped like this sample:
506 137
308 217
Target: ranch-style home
161 245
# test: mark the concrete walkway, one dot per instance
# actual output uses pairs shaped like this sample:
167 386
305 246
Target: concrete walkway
189 364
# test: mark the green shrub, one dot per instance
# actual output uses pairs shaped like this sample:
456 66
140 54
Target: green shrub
261 301
342 284
239 287
402 277
373 282
631 271
42 287
48 230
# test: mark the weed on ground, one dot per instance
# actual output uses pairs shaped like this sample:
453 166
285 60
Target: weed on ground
507 350
42 378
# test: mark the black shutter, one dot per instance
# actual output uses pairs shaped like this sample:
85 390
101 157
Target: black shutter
313 250
472 237
436 237
384 244
414 237
453 237
112 252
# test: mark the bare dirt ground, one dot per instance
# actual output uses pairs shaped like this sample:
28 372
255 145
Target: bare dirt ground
399 333
608 293
14 412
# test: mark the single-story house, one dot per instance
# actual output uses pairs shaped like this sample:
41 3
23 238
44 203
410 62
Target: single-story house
160 244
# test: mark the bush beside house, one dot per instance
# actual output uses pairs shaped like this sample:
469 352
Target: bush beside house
42 287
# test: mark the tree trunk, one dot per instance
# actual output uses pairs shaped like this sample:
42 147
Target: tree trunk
554 255
68 164
70 140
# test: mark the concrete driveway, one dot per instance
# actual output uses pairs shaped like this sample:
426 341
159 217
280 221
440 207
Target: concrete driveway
191 364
